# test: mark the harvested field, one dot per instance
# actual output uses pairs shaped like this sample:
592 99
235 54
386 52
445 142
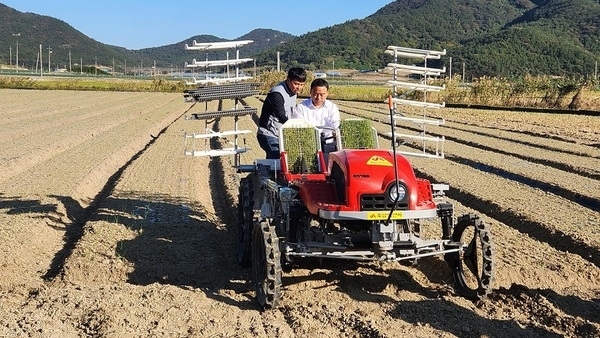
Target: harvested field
109 230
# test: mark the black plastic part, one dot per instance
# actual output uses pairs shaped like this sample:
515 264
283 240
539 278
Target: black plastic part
445 212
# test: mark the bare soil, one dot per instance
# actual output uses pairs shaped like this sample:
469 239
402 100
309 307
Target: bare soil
109 230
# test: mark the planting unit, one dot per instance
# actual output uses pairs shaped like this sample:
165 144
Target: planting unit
362 203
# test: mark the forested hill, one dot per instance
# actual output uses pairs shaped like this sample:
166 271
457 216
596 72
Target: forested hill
494 38
58 40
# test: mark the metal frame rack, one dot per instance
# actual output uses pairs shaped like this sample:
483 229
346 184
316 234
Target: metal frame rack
218 63
219 89
424 73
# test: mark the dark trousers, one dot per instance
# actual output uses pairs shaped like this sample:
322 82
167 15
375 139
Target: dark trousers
270 145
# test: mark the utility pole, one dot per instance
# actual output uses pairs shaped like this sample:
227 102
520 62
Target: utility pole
80 66
41 64
17 36
69 61
96 65
49 52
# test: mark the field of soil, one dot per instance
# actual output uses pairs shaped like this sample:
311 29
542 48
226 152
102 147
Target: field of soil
109 230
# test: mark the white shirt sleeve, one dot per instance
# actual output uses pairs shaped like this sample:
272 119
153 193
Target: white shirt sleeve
300 111
332 118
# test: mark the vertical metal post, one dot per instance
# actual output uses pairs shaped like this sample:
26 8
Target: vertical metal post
17 36
49 52
41 64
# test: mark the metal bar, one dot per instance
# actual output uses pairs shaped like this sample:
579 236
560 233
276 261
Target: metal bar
222 113
214 63
419 120
417 86
421 104
217 45
218 134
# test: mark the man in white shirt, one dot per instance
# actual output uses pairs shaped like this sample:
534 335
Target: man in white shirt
320 112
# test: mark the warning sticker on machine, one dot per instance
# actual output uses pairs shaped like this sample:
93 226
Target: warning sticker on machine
378 160
383 215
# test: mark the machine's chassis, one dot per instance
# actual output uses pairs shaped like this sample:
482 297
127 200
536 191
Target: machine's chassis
264 246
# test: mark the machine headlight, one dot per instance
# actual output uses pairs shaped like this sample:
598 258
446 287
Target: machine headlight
397 192
286 194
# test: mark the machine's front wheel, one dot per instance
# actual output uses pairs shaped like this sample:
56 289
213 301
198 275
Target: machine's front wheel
266 265
245 222
473 266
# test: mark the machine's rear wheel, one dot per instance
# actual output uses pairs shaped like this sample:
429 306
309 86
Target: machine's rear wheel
266 265
245 222
473 266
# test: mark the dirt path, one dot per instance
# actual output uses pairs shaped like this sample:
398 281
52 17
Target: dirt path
109 230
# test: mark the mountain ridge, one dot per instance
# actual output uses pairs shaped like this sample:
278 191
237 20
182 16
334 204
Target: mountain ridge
503 38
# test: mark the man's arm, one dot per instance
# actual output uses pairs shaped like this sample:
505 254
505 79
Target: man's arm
276 101
334 116
299 111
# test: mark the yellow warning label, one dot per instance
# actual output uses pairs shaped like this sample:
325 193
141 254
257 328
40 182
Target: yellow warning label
380 161
383 215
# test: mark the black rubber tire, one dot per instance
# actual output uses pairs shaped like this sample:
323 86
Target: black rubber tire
266 265
245 222
472 267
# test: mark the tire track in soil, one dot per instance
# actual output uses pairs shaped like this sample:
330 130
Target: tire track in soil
222 201
553 164
584 201
225 207
525 143
75 232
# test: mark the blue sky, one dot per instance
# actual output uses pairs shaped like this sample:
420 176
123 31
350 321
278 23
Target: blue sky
153 23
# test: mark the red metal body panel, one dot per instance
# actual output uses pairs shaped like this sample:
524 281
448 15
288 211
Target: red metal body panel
365 171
